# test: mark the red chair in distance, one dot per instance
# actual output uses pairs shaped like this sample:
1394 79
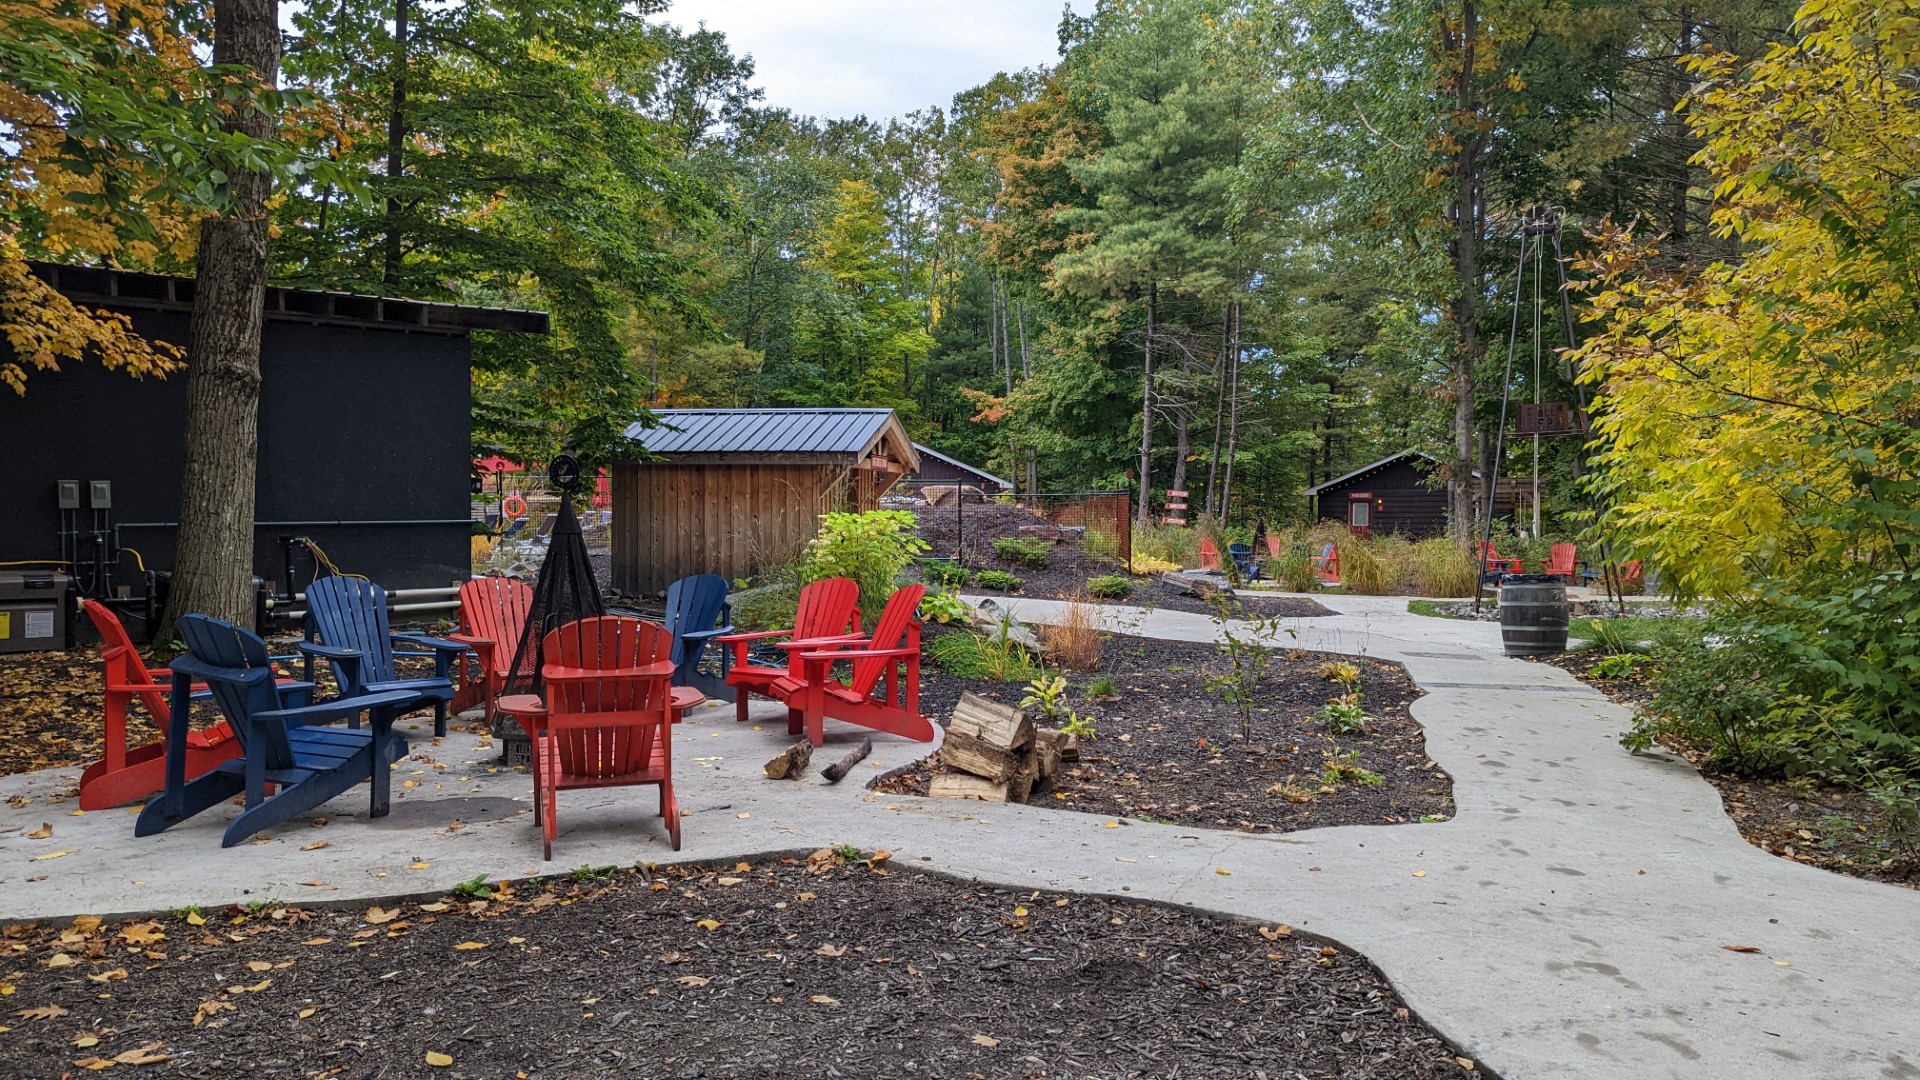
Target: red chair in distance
1209 554
1563 562
829 612
1326 565
814 695
126 772
609 715
1498 565
1273 546
493 613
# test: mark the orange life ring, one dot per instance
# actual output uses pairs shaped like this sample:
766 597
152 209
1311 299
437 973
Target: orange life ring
513 506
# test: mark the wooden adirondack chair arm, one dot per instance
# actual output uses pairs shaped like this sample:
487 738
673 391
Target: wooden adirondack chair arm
760 636
816 642
704 635
334 710
856 654
430 642
327 652
473 640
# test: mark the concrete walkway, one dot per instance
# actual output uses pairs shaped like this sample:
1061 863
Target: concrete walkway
1568 922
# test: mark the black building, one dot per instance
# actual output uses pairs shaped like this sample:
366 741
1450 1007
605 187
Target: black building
365 408
1393 494
938 468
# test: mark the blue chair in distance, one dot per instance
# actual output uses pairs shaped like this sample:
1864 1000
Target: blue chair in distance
349 617
698 612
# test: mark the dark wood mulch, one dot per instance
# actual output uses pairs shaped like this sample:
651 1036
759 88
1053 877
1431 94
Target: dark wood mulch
1821 825
1170 750
783 968
1066 573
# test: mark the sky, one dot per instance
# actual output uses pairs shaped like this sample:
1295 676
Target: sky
881 58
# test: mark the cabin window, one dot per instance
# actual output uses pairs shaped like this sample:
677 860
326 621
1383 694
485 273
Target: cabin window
1360 511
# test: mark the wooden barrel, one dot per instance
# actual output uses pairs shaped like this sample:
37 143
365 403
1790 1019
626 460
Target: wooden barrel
1533 615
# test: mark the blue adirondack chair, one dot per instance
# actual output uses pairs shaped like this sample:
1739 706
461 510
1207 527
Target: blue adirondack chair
1243 560
698 612
349 617
285 747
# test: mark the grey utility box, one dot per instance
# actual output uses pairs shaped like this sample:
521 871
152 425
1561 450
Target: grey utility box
33 611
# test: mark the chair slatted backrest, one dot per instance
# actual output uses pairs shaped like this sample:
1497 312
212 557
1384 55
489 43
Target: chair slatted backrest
239 652
1273 546
693 604
122 661
889 633
828 607
1209 555
495 608
606 727
1563 557
351 613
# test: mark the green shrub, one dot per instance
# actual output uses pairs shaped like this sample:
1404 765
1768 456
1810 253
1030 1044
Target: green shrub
995 658
872 548
1344 714
1023 551
1346 769
1294 569
997 579
943 608
1100 546
1720 699
1166 544
1362 572
945 575
1102 688
770 607
1444 567
1109 586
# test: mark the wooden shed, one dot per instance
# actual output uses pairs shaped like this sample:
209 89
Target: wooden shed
1390 495
938 468
728 491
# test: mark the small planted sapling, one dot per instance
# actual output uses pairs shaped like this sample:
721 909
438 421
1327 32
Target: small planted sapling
1247 654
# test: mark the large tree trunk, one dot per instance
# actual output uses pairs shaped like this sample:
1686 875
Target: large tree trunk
213 570
1144 512
1221 360
1466 260
1233 410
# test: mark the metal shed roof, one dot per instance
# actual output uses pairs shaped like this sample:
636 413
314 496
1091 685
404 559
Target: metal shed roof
750 432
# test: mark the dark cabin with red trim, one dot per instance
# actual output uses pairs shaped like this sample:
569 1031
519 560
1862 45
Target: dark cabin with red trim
1392 495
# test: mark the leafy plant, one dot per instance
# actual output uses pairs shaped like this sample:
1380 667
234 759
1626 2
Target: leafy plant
599 875
946 575
1109 586
1618 666
1345 768
1102 688
943 608
1340 671
996 658
871 547
997 579
1247 656
848 852
1344 714
1049 696
474 888
1023 551
1147 564
1080 727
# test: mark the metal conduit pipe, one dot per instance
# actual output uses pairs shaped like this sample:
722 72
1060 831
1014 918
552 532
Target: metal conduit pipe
447 593
394 609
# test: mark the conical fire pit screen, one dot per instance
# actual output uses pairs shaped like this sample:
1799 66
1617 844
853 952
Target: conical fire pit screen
565 590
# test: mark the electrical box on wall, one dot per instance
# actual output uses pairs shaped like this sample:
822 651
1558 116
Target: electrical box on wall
101 494
33 611
68 492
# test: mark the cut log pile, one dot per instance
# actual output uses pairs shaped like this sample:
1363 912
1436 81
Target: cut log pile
993 753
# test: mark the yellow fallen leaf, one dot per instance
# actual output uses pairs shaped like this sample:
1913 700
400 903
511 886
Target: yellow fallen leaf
434 907
731 880
822 999
469 946
150 1054
94 1064
194 918
6 989
84 1041
86 924
1419 873
1276 933
693 980
42 1012
1019 912
708 924
316 845
741 868
1223 871
109 976
144 933
60 960
378 915
418 865
45 830
257 966
1109 824
56 854
987 1041
516 941
318 941
304 1013
439 1060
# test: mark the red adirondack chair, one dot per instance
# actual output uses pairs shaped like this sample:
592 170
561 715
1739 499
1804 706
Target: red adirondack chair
1273 547
128 772
813 695
1563 562
1498 565
609 715
829 609
493 613
1209 554
1327 564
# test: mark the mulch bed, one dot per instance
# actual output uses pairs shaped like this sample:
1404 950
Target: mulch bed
1169 750
1066 573
785 968
1820 825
